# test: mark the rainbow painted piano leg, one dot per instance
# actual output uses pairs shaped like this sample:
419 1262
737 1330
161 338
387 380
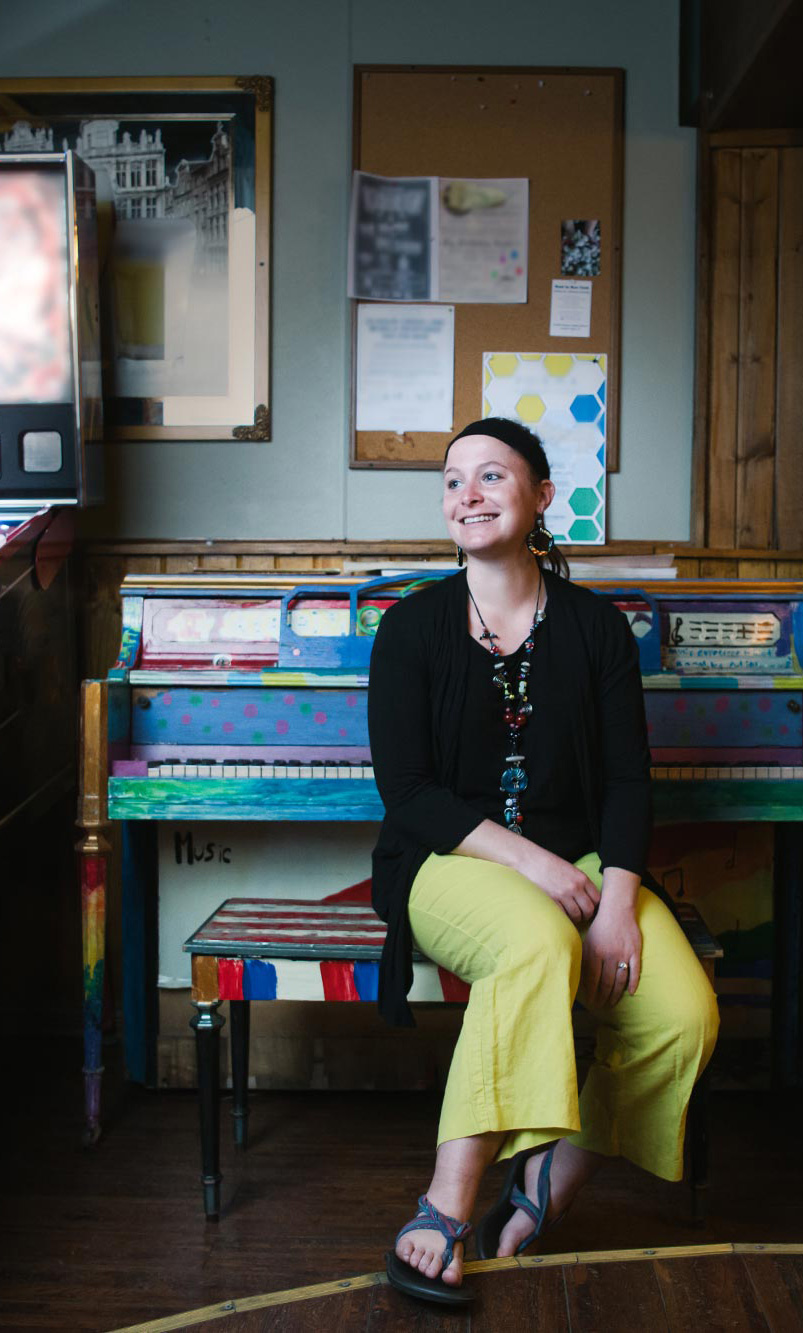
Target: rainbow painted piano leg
93 851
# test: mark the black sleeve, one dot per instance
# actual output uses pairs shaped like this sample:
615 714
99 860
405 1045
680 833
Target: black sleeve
400 730
626 804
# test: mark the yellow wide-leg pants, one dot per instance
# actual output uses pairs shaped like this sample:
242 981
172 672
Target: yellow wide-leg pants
514 1068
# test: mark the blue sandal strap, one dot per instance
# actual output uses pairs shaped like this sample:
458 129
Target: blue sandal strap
429 1219
535 1210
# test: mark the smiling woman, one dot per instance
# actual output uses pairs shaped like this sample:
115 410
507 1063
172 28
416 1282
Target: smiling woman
509 744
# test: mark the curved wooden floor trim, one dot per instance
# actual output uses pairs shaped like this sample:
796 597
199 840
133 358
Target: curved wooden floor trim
223 1309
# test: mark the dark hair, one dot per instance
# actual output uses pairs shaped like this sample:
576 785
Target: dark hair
527 444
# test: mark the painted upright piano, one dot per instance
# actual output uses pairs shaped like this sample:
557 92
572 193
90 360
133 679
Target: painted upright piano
239 697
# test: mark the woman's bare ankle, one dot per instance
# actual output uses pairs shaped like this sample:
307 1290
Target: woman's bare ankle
459 1167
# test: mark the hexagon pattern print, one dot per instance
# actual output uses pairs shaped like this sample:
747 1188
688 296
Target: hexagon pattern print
560 396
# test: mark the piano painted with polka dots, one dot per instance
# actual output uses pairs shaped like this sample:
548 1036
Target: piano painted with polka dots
244 698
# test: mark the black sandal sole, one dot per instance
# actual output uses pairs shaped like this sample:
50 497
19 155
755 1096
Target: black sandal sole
409 1281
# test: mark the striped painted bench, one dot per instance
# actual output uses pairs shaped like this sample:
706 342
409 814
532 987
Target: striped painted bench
286 949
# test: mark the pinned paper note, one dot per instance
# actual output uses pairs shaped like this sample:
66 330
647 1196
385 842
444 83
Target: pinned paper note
405 367
570 312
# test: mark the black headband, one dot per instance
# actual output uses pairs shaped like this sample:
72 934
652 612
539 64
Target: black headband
515 436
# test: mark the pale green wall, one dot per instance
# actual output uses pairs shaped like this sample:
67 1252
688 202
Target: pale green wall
299 484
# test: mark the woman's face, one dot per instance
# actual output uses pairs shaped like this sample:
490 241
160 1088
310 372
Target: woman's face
490 500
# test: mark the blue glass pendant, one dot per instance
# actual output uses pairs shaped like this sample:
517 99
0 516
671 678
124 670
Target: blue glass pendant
513 779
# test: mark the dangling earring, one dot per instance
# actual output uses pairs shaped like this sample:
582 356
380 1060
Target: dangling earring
540 541
460 557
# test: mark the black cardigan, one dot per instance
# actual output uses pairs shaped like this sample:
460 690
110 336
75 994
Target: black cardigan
417 688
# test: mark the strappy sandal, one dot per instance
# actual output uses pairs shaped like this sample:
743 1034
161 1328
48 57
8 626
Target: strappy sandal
410 1280
490 1227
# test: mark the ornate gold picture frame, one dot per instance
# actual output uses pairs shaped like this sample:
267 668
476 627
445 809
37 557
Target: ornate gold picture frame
183 177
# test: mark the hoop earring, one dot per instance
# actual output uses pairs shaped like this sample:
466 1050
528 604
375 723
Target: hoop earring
540 541
460 557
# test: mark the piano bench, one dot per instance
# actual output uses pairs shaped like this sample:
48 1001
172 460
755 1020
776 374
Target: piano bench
287 949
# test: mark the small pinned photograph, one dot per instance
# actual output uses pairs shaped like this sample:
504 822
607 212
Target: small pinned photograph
580 248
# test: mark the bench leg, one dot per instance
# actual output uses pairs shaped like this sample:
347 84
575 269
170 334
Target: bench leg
206 1024
698 1148
240 1012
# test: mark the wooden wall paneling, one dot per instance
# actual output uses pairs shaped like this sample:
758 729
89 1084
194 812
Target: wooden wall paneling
717 569
755 433
259 564
724 347
789 404
688 569
215 563
180 564
702 345
756 569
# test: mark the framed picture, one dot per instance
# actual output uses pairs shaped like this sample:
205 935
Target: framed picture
183 178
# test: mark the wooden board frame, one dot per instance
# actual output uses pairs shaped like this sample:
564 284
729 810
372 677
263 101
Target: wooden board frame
180 100
430 139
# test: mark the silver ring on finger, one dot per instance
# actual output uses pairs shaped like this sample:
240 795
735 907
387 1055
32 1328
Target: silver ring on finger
622 967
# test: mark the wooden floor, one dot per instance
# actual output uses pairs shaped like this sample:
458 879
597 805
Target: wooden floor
112 1237
703 1290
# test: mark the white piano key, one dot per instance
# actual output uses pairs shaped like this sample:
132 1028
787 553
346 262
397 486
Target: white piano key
229 770
190 770
787 772
305 770
255 770
154 770
368 772
208 770
763 772
330 770
345 771
749 773
723 773
165 770
280 770
242 770
318 771
293 771
686 774
266 770
798 773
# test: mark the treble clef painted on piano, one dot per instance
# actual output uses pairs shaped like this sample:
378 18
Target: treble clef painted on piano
244 698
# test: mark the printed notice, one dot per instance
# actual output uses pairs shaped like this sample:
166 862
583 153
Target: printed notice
405 367
392 249
570 313
482 240
434 238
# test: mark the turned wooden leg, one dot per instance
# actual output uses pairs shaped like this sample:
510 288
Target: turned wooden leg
93 851
240 1013
93 922
206 1024
697 1122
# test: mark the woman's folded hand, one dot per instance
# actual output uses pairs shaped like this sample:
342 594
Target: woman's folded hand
573 891
612 938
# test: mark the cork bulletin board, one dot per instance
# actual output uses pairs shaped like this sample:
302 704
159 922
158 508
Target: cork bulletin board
562 129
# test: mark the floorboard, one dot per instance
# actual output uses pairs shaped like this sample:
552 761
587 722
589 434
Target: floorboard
97 1240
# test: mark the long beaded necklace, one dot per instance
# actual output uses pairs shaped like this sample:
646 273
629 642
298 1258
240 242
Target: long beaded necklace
517 712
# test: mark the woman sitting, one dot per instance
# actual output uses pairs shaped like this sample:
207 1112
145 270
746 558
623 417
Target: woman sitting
509 743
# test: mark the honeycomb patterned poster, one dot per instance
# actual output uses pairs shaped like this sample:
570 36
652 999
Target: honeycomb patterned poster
560 396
